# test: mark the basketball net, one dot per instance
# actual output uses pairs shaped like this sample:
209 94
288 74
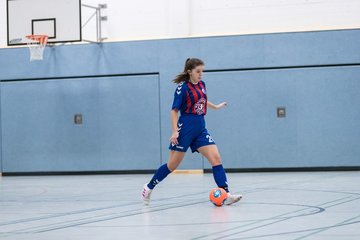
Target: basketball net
36 44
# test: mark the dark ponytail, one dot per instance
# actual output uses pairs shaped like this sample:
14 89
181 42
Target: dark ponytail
190 64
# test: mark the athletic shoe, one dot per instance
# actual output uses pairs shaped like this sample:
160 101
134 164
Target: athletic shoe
233 198
145 195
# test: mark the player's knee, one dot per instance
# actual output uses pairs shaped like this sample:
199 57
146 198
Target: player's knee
171 167
216 159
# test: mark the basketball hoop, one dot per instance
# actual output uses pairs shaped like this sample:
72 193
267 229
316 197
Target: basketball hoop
36 44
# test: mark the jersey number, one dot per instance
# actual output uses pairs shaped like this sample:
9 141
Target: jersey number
209 138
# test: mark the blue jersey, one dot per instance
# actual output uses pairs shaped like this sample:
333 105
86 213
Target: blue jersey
190 98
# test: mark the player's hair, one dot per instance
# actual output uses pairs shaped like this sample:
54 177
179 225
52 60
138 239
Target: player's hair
190 64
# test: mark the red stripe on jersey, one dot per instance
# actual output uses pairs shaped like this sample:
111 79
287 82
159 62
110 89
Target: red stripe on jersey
188 103
196 98
199 89
203 94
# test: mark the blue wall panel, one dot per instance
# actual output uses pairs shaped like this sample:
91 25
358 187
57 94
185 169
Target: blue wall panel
281 50
40 134
328 117
247 132
320 128
129 122
81 60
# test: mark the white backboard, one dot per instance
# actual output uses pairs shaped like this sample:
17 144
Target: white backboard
59 19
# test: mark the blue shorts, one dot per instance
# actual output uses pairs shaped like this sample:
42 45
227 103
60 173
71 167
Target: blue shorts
192 133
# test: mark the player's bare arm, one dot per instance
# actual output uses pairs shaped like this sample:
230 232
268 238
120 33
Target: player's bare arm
216 106
174 120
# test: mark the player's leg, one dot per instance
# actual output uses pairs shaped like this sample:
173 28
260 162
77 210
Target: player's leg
175 159
177 153
212 154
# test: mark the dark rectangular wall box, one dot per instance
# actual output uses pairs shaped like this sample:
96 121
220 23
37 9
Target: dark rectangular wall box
78 119
281 112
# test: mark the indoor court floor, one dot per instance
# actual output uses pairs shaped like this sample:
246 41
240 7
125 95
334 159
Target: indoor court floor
286 205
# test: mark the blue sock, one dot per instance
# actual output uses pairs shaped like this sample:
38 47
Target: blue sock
220 177
159 175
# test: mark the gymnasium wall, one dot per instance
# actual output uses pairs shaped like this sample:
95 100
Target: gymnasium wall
124 92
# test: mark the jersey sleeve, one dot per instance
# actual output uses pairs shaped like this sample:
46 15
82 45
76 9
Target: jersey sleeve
179 96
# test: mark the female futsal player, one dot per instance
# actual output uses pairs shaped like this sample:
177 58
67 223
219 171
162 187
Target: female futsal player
189 130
